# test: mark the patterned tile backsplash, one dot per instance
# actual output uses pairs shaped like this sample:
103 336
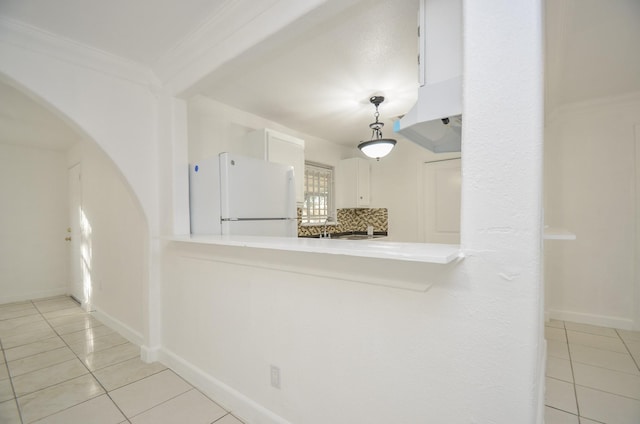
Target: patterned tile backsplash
350 220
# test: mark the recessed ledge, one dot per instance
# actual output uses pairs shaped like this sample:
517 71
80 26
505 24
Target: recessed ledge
554 233
413 252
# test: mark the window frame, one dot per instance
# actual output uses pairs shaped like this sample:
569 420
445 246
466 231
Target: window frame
330 201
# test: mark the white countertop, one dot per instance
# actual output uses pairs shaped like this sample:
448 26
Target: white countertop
375 248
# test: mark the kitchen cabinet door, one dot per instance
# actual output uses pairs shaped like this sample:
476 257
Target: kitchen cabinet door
279 148
354 183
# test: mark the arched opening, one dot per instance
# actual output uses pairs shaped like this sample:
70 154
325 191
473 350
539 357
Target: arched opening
73 224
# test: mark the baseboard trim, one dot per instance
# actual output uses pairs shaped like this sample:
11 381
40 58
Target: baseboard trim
542 373
125 331
592 319
40 294
149 354
230 399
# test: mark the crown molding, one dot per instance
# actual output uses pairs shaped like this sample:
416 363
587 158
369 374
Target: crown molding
31 38
235 27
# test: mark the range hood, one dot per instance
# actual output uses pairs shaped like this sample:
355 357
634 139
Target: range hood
435 121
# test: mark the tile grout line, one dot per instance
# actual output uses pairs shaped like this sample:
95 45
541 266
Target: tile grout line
166 400
228 413
58 336
90 372
13 389
11 377
106 392
573 375
83 364
609 393
562 410
628 350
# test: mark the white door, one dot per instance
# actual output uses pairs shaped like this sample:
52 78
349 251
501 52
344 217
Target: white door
73 234
441 196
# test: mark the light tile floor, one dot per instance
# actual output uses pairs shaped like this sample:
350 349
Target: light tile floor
592 374
58 364
61 365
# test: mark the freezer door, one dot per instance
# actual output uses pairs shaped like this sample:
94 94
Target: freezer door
271 228
254 188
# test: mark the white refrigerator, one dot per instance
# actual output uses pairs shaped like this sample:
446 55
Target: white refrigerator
238 195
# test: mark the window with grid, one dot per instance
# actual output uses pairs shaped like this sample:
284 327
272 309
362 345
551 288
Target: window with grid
318 194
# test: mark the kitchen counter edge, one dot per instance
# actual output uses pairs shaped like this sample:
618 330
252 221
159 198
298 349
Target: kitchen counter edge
414 252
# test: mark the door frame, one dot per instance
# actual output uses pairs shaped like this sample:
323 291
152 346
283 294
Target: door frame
636 270
75 250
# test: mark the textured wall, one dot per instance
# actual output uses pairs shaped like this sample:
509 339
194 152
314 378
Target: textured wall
33 222
590 179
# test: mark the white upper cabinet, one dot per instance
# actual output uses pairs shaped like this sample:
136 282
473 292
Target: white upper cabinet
280 148
354 183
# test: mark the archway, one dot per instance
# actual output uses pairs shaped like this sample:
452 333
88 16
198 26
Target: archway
112 251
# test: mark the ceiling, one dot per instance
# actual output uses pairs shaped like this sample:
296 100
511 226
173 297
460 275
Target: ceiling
139 30
316 75
319 80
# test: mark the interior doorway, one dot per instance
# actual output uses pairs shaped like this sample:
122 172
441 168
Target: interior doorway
76 289
442 181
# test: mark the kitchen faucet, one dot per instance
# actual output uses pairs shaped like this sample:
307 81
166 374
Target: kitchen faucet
324 232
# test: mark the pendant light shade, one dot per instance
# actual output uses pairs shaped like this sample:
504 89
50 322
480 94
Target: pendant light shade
377 147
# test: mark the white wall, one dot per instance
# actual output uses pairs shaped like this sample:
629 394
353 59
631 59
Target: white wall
116 108
396 184
33 253
469 350
215 127
466 351
118 242
590 190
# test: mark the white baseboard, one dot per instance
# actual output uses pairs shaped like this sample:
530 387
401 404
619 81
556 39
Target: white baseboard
542 373
593 319
125 331
230 399
149 354
39 294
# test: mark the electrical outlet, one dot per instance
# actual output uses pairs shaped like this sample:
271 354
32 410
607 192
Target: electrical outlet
275 376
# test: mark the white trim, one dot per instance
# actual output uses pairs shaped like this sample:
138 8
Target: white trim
149 354
542 374
230 399
592 319
34 295
127 332
35 39
319 173
636 270
234 28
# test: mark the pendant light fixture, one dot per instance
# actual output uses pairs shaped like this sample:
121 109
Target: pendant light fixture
377 147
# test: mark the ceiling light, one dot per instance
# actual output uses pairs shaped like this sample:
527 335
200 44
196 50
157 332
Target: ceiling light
377 147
